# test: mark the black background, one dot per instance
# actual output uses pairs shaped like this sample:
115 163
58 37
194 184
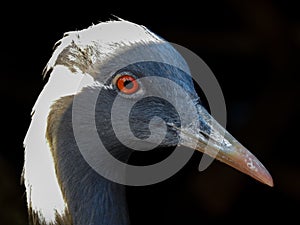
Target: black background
253 49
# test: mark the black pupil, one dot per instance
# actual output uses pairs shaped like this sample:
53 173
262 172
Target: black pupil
128 84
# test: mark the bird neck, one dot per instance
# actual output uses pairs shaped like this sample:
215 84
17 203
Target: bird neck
91 199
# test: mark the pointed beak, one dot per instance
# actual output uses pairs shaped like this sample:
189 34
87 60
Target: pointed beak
209 137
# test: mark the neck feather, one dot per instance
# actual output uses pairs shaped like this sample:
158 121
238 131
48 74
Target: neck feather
91 199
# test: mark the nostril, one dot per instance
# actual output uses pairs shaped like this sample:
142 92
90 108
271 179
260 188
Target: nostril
205 135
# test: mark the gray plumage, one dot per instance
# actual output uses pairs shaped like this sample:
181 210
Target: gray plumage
61 187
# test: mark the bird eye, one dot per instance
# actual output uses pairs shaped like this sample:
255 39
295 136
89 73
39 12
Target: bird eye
127 84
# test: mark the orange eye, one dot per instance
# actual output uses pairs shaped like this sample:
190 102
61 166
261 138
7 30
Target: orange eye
127 84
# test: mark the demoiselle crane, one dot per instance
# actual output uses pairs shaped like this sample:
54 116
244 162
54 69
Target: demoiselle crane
89 71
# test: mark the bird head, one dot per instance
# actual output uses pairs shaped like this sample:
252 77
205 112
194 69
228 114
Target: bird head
120 83
144 96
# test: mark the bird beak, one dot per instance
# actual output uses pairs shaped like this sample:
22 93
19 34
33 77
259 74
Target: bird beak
212 139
